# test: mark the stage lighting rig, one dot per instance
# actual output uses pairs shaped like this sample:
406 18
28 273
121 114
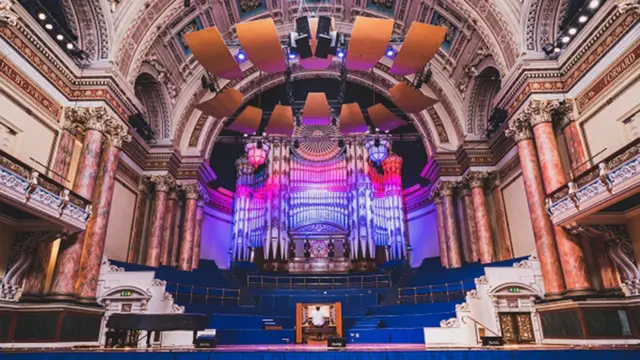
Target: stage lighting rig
300 40
328 40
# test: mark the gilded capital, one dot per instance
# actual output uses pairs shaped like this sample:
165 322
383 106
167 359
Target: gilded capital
434 193
520 127
463 187
541 111
192 191
447 188
476 178
563 113
86 118
116 133
163 183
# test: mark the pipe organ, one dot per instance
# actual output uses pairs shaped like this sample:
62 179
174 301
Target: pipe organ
318 206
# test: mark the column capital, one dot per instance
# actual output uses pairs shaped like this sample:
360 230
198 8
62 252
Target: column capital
6 14
86 118
116 133
625 6
163 183
562 113
192 191
476 178
520 127
541 111
447 188
463 187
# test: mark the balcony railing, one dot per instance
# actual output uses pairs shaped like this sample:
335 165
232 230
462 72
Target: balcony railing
434 293
377 281
614 178
23 186
192 294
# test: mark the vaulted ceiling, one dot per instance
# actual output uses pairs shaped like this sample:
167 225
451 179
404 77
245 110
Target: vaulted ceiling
485 42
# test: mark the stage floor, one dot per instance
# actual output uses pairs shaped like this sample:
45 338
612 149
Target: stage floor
359 352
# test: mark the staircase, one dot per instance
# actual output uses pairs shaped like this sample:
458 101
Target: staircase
365 323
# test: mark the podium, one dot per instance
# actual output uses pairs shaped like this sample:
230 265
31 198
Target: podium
306 332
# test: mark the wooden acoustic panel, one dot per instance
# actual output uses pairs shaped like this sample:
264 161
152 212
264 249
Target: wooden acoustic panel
316 110
383 119
368 43
409 99
248 121
223 104
420 45
281 121
315 63
260 41
208 47
351 119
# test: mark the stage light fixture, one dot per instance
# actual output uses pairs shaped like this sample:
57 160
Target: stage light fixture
204 82
241 56
60 37
341 53
556 49
390 52
69 46
327 39
292 55
583 19
572 31
565 39
548 48
42 16
48 26
593 4
300 40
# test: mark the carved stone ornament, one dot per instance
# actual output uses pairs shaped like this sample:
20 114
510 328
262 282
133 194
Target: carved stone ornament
6 15
476 178
482 280
192 191
86 118
520 127
562 113
541 111
451 323
116 133
473 294
447 188
625 6
464 307
162 182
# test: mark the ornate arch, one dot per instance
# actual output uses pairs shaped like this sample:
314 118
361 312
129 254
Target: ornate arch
485 87
151 94
88 20
543 21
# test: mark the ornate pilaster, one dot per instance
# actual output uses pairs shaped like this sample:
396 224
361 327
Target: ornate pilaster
469 236
197 235
96 234
442 240
163 183
7 16
520 130
563 117
451 231
168 226
503 243
477 181
135 244
192 194
546 143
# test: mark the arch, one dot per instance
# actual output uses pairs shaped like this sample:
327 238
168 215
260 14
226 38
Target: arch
87 18
543 19
485 87
151 94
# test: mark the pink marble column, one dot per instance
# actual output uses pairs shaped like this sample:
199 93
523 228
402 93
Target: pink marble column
92 121
133 256
62 160
573 264
154 248
168 226
503 243
576 148
483 227
474 251
442 240
520 129
197 236
36 276
453 240
192 193
96 233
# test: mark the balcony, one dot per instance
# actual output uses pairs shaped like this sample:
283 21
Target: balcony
27 194
605 184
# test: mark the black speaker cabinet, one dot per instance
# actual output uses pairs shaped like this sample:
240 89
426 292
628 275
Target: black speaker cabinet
206 342
492 341
337 343
302 26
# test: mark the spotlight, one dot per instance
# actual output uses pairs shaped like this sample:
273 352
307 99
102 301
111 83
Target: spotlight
566 39
300 39
390 52
60 37
548 48
573 31
241 56
292 55
42 16
341 53
70 46
594 4
583 19
48 26
556 49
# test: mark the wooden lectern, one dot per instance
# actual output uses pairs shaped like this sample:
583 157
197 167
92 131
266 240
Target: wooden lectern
306 332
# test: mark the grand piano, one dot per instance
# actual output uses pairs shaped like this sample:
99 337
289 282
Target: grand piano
123 330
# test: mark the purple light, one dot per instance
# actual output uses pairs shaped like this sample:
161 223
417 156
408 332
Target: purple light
340 54
292 56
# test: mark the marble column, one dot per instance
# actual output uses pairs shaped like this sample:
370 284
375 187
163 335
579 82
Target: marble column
476 181
62 160
576 149
154 250
504 249
197 235
451 232
92 121
571 255
520 130
36 276
96 233
168 225
135 246
442 240
192 193
470 223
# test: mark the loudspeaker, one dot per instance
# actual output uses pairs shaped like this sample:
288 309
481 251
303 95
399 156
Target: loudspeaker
492 341
337 343
302 26
325 37
206 342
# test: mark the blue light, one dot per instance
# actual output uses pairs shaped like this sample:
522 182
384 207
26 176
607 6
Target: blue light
292 55
390 52
241 55
340 53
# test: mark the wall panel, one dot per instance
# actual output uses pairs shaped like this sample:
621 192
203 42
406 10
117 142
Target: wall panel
120 222
423 234
216 237
520 229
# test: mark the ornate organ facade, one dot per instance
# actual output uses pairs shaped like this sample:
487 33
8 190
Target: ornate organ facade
319 206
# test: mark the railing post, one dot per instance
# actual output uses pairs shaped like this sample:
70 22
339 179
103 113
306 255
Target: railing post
415 295
177 286
206 297
462 289
191 295
431 292
446 286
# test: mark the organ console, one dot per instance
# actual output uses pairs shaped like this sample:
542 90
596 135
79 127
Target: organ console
307 332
